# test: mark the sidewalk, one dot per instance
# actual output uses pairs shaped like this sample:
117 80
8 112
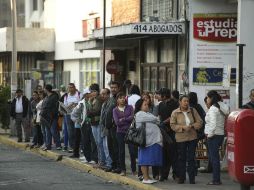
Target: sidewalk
132 181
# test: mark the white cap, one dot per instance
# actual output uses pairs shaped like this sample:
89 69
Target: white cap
86 91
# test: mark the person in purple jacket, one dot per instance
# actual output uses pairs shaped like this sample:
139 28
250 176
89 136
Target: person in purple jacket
123 115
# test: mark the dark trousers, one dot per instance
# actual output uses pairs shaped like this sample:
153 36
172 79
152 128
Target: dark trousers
169 161
214 144
37 135
121 150
186 152
133 151
89 145
113 148
77 137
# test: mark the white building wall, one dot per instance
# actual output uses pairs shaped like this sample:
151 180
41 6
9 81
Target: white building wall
33 15
209 6
73 67
66 17
245 36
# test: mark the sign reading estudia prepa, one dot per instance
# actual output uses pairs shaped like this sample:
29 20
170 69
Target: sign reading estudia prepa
215 27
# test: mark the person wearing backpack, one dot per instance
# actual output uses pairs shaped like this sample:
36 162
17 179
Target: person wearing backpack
250 104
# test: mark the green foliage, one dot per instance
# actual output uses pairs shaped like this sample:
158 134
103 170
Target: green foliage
5 95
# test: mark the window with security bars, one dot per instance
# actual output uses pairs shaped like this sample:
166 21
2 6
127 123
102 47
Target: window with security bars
89 72
158 10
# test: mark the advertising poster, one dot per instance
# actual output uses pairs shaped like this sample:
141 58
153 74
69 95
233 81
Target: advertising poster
211 76
214 40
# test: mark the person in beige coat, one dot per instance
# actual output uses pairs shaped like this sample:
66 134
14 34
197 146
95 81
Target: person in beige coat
185 121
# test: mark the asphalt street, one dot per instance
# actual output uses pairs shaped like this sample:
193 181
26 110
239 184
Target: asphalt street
21 170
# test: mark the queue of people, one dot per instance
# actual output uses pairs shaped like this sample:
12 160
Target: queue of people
96 122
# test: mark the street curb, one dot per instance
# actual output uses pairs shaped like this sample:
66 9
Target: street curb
78 165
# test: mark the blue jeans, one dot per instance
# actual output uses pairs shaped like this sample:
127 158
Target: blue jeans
186 152
55 133
214 144
65 132
96 130
70 129
108 159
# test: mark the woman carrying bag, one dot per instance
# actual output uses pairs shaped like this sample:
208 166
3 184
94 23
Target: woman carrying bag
185 121
151 153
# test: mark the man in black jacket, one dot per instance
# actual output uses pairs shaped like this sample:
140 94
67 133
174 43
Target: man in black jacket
49 117
19 111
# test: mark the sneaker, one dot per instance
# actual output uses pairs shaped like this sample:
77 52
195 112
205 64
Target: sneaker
82 157
149 181
84 161
123 173
70 150
59 148
64 149
92 162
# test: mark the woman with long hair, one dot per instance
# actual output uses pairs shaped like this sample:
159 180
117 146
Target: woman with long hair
214 131
123 116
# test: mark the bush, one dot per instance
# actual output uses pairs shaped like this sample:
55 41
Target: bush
5 95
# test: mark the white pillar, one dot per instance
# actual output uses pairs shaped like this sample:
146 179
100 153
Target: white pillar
245 36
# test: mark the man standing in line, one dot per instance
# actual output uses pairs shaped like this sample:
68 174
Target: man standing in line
19 111
250 104
49 117
71 99
112 140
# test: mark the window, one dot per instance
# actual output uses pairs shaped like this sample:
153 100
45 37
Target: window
36 25
151 51
89 72
35 5
167 52
157 10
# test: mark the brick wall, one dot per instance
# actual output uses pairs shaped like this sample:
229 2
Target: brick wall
125 11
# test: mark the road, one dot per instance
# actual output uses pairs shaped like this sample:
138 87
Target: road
21 170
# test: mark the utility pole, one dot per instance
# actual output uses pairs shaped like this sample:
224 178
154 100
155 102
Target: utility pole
240 74
104 44
14 49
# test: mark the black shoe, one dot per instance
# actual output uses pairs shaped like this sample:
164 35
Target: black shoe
74 156
27 140
180 181
108 170
192 182
19 140
117 171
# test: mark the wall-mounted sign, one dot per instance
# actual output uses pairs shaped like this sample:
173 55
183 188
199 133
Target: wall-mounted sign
158 28
215 27
211 76
112 67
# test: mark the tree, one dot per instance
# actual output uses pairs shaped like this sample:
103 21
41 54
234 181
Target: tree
5 106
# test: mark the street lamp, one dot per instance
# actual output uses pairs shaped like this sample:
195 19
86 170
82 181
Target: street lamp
14 49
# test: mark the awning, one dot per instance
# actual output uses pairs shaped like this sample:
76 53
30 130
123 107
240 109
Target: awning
125 36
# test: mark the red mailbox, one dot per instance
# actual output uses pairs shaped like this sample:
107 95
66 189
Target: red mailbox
240 146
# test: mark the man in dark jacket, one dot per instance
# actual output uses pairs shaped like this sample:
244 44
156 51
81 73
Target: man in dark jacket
250 104
19 111
49 117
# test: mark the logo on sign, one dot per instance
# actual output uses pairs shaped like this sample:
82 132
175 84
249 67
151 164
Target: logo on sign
248 169
215 27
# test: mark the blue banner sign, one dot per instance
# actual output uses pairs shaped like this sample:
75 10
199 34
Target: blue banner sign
211 76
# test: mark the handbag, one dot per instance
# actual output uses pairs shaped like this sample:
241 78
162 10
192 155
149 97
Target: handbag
136 136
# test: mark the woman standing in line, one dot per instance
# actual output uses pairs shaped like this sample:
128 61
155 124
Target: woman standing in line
151 154
185 121
123 116
214 131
